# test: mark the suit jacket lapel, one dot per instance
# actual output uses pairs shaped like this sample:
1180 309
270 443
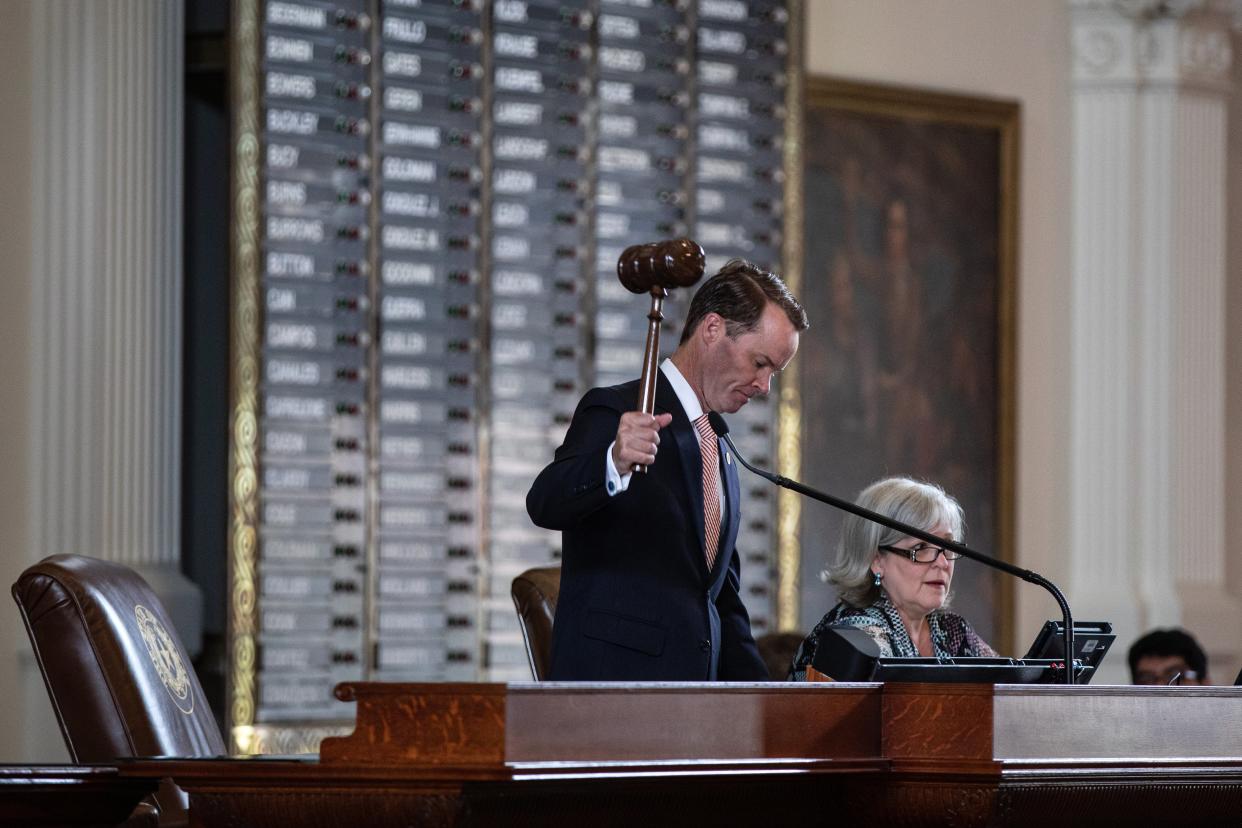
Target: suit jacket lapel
687 440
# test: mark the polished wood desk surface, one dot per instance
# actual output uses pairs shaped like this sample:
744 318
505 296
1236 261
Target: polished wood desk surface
616 754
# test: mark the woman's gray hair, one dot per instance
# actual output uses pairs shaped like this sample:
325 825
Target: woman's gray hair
921 505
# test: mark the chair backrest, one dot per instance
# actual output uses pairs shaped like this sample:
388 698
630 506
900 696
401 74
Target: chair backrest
778 651
120 682
534 595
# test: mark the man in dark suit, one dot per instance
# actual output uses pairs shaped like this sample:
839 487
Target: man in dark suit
650 579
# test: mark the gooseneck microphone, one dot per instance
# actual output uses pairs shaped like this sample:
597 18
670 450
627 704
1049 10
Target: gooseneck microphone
722 430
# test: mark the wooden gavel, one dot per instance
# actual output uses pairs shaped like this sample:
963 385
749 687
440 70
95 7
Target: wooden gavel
656 268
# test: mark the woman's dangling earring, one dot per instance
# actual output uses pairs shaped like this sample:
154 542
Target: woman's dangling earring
878 578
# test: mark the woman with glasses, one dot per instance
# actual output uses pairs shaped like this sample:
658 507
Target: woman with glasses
895 587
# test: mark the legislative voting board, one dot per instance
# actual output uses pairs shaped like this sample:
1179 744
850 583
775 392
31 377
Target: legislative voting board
446 186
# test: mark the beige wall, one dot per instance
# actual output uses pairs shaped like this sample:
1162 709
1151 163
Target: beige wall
1018 50
1225 672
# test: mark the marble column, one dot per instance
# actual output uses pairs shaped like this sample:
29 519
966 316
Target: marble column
1151 86
107 91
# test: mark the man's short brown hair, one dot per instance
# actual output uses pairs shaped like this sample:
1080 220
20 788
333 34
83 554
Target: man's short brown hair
739 293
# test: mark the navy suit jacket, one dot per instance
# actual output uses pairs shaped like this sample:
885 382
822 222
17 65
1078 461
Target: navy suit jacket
637 601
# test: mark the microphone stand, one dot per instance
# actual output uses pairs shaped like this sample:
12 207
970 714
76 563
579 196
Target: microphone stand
722 430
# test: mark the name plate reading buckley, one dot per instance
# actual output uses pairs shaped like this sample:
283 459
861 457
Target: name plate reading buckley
322 125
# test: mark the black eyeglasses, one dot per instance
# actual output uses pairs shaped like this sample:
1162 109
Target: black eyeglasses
1171 676
924 553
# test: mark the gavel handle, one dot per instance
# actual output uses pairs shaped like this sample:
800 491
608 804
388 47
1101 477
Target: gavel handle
647 384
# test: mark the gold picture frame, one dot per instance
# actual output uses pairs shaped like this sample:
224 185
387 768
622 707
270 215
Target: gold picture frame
907 222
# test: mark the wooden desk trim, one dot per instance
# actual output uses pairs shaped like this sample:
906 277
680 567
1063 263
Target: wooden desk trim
880 754
570 721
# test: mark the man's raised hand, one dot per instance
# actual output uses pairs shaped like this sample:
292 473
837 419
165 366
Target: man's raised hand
638 438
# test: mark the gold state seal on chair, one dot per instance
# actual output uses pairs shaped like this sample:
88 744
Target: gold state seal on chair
167 661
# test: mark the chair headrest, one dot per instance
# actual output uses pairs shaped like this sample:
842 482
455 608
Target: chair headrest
119 678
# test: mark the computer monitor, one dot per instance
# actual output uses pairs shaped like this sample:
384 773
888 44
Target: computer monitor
1092 640
847 653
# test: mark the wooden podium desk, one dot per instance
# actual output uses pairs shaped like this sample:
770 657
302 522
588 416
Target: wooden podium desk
745 754
60 796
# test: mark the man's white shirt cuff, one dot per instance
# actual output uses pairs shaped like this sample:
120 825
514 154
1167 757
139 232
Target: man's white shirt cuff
616 482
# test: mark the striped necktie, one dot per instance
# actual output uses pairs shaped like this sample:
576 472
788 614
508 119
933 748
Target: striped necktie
709 448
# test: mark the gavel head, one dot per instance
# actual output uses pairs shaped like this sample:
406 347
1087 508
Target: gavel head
668 264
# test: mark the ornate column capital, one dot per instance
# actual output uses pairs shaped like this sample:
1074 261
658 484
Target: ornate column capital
1105 45
1131 43
1157 9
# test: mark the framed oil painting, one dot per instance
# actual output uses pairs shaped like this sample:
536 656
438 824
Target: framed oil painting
908 273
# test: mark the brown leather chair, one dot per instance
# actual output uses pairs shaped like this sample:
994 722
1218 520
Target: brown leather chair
534 594
120 682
